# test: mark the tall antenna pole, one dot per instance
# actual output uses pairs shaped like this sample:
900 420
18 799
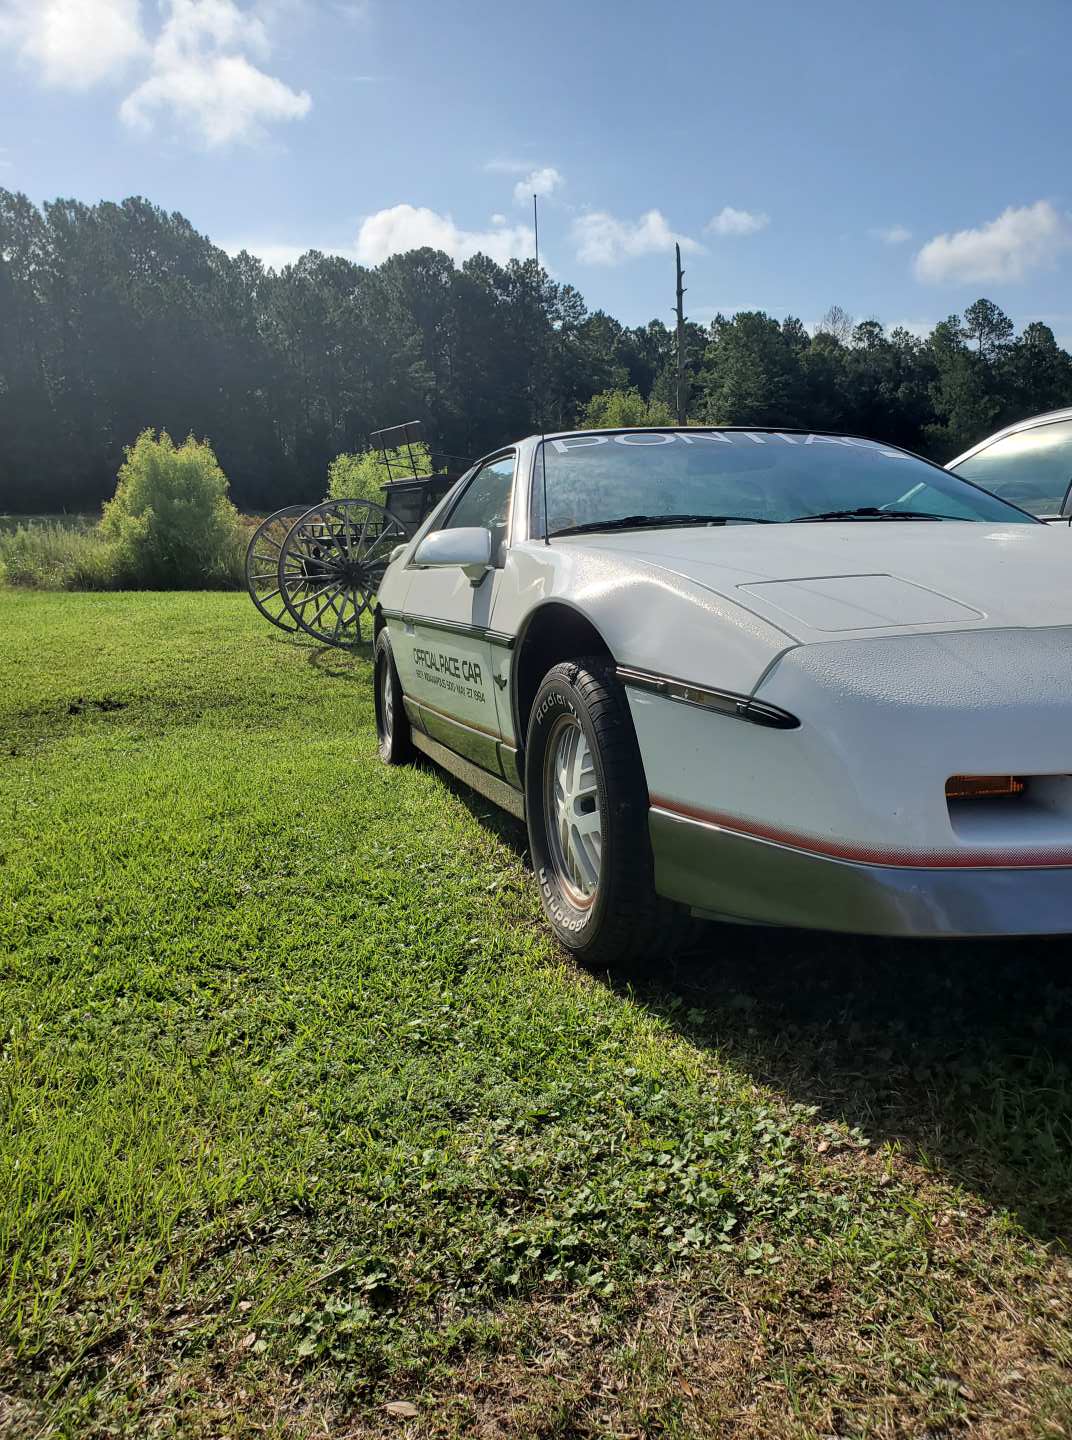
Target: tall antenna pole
682 402
543 442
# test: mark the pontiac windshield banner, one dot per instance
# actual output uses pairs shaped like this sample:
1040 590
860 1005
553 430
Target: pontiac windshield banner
459 675
646 438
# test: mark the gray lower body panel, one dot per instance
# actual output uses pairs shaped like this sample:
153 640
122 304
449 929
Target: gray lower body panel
482 749
726 875
478 779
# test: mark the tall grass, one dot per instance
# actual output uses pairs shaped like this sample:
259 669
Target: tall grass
51 555
58 555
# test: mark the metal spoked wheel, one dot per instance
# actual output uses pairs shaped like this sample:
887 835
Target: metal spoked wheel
571 806
262 566
331 564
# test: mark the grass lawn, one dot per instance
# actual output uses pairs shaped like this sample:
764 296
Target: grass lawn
308 1130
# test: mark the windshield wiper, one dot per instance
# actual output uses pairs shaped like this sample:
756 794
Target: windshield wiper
643 522
872 512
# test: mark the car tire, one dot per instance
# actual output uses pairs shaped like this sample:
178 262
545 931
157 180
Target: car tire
586 800
392 722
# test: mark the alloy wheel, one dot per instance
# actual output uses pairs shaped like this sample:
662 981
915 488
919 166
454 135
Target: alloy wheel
571 807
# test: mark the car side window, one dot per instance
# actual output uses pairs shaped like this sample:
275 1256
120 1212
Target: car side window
486 501
1032 468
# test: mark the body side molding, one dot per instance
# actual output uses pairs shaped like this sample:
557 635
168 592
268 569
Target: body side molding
453 627
706 697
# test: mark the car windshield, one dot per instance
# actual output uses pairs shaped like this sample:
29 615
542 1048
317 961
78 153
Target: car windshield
628 479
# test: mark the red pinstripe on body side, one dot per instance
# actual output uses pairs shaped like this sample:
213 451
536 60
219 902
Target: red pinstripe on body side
1008 857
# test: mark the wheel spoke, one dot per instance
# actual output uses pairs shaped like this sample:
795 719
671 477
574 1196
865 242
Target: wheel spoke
326 605
310 595
587 823
338 618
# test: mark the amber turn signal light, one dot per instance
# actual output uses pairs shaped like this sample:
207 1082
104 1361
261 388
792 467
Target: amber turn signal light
983 787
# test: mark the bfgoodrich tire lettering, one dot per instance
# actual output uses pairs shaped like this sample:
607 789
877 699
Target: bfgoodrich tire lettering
595 875
392 723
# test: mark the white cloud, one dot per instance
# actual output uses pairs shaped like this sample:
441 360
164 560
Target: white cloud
891 234
544 181
200 67
74 43
602 239
224 98
409 227
919 328
729 221
1020 239
274 255
202 74
403 227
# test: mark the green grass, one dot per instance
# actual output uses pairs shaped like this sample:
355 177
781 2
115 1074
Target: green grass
303 1115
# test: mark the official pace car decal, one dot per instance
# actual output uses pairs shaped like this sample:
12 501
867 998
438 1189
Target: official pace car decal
455 673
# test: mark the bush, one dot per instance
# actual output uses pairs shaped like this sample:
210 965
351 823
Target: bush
359 477
611 409
170 524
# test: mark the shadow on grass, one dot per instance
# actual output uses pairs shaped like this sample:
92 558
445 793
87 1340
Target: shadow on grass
958 1050
337 660
961 1051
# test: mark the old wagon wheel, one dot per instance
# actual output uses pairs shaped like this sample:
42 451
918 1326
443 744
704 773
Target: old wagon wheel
262 566
331 564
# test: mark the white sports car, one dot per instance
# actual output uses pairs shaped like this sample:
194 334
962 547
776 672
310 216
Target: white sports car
766 676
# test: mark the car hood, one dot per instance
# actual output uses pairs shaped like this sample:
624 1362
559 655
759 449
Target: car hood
832 580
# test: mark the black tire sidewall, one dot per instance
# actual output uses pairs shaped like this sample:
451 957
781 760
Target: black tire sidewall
579 930
397 747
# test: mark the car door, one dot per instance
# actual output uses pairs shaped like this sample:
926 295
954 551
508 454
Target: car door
1031 468
445 661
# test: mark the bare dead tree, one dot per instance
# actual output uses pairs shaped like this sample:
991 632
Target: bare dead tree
838 323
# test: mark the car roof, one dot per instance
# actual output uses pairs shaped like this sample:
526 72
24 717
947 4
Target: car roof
1048 417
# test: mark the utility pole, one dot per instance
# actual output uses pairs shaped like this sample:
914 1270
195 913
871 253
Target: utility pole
682 404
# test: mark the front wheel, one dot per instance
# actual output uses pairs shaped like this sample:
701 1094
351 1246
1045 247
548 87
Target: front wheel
392 723
587 807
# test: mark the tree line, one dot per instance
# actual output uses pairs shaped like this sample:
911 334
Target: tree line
114 317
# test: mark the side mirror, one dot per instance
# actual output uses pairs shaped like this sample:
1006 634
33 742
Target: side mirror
468 547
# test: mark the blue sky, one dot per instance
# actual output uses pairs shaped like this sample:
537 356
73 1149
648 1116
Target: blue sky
898 160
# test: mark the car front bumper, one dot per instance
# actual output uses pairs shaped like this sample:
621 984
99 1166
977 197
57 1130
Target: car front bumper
724 874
